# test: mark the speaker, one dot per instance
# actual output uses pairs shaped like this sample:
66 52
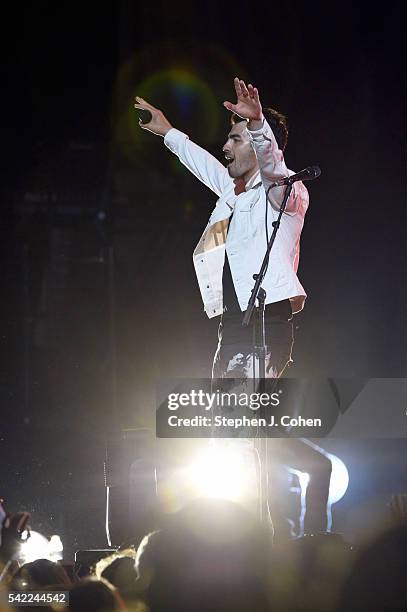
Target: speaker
131 486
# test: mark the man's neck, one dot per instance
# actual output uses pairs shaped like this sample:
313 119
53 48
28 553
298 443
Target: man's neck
252 179
240 186
245 183
247 177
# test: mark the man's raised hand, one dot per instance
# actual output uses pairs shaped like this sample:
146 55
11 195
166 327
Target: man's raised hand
248 104
158 123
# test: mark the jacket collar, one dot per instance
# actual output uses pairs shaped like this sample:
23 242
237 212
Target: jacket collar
254 181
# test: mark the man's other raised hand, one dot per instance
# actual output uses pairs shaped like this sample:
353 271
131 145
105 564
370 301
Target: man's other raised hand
248 104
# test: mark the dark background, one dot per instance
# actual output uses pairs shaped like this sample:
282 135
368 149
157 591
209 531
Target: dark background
99 220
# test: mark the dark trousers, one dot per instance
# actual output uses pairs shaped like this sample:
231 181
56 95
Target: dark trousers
234 355
234 359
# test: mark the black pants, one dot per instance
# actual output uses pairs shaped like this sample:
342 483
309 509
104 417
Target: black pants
234 355
234 359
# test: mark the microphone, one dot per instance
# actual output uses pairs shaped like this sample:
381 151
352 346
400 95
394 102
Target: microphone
308 174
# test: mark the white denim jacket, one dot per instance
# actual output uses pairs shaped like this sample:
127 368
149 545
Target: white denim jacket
245 239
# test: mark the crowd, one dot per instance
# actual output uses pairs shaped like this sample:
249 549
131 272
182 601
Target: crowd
213 556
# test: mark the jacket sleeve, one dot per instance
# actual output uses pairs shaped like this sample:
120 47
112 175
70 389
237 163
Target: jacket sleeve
273 167
201 163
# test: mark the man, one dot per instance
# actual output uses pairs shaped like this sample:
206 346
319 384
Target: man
231 251
233 244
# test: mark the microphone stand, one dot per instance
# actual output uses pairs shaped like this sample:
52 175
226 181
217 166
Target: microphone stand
260 349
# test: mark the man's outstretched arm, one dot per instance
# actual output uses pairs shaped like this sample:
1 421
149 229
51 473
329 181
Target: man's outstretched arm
201 163
270 157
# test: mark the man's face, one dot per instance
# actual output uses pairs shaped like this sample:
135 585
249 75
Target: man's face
240 157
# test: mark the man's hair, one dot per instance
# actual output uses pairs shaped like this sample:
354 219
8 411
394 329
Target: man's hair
277 122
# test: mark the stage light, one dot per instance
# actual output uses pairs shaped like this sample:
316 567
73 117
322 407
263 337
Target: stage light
339 479
225 470
339 473
37 546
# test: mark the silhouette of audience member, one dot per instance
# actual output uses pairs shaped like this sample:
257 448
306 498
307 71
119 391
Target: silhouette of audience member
309 572
212 556
43 575
40 574
119 570
90 595
377 581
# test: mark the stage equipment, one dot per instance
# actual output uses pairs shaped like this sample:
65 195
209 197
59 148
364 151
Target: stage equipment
131 486
259 350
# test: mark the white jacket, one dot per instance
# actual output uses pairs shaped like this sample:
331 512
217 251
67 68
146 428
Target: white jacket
245 239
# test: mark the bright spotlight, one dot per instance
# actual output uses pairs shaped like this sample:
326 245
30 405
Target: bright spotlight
225 470
37 546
